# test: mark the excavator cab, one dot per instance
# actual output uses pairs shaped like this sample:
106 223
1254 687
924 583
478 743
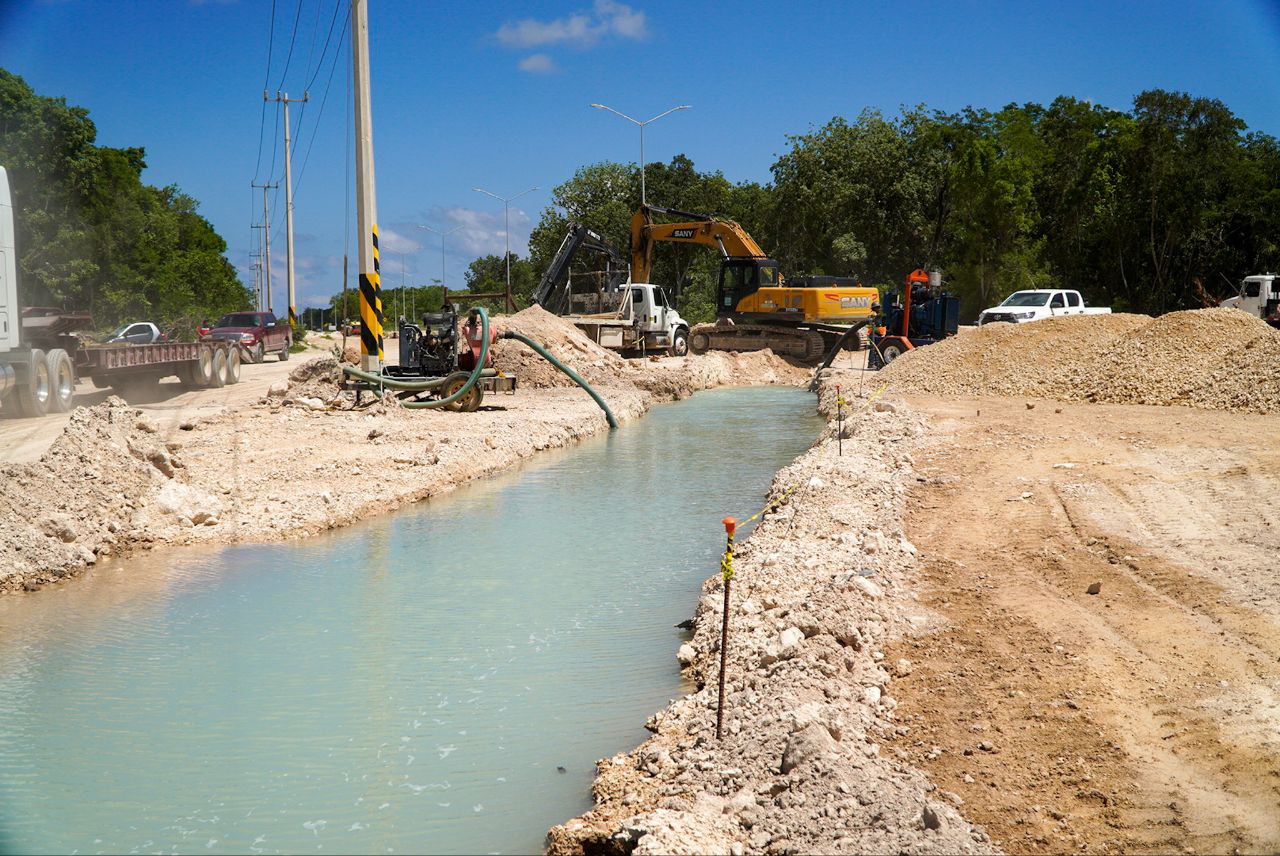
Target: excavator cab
742 277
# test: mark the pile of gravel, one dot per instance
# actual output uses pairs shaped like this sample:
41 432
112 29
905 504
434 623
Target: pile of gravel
1221 359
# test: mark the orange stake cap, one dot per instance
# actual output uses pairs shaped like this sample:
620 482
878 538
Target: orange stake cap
730 523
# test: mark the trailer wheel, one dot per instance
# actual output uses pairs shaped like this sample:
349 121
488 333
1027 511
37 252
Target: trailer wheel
62 380
891 351
33 395
219 377
259 353
233 364
202 368
679 342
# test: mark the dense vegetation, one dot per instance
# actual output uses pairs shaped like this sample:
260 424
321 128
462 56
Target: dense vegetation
90 235
1141 209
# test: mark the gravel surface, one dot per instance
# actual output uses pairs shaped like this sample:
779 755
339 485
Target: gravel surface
1220 359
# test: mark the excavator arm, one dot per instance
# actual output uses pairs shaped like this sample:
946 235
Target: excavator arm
724 235
552 293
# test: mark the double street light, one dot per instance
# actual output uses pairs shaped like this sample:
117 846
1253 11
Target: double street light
643 200
506 232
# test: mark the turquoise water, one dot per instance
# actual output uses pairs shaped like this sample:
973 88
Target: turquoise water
407 684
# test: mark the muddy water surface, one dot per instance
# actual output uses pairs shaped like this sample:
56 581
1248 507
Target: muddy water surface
441 679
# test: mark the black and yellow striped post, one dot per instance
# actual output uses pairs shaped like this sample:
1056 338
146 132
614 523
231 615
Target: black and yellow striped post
726 573
371 309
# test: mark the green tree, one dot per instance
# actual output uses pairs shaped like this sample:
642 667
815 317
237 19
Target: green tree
90 235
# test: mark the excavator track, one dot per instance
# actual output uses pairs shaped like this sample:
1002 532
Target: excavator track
807 345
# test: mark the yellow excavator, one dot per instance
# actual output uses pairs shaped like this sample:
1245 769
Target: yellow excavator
802 317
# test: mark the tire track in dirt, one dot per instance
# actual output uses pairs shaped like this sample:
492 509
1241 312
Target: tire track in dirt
1143 718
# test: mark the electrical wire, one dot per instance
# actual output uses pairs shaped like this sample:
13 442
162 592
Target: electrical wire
315 130
292 38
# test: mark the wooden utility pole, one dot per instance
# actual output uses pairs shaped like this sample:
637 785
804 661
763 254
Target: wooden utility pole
266 240
366 198
284 99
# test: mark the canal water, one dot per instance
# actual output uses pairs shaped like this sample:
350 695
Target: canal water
441 679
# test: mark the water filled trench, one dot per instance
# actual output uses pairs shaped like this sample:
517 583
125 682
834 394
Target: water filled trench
441 679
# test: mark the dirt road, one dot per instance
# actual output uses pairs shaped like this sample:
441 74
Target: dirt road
25 440
1145 717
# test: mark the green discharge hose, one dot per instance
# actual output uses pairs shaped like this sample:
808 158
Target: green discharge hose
574 376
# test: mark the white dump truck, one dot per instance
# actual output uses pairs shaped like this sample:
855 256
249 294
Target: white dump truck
1259 296
41 355
1034 304
644 321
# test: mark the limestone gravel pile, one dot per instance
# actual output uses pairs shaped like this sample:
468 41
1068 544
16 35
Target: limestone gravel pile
818 588
1162 361
80 500
1212 358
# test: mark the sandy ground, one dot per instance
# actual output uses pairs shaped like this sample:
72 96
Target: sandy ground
1145 718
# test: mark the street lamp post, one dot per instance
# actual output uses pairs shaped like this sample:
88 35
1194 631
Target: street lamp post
643 200
506 233
442 235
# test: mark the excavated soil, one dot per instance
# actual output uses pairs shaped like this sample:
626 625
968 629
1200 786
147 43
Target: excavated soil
818 590
305 458
1219 359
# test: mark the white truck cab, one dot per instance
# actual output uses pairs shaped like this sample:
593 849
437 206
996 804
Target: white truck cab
1034 304
644 320
1259 296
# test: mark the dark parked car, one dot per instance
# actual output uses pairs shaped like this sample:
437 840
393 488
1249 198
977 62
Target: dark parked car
260 333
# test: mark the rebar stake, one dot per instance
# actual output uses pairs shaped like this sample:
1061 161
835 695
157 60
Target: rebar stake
726 573
839 422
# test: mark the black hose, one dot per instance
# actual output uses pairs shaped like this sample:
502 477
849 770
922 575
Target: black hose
574 376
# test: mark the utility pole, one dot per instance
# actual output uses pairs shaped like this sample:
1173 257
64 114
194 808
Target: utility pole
266 239
257 278
284 99
366 198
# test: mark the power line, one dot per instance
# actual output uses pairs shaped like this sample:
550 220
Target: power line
315 130
292 38
332 21
266 80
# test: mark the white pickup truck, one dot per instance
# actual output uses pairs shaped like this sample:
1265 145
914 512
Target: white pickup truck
1023 306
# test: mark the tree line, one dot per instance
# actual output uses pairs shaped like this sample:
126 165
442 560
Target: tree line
91 236
1163 206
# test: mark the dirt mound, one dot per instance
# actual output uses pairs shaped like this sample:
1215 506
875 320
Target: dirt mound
317 378
599 366
1214 358
60 514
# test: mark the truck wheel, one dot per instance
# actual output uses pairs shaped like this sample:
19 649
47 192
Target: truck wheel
259 353
32 396
891 352
284 352
679 342
219 377
233 364
699 342
62 380
202 368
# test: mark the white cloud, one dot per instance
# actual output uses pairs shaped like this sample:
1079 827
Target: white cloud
481 233
538 64
583 29
392 241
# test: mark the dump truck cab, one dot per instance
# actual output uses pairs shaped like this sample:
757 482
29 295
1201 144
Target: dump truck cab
1259 296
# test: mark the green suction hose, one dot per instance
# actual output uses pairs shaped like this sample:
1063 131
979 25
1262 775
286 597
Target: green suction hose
574 376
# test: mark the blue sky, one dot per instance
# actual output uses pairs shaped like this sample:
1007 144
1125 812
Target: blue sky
496 94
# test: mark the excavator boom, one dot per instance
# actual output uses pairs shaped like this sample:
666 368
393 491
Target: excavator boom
725 235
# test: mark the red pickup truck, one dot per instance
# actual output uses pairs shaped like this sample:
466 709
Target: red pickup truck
259 333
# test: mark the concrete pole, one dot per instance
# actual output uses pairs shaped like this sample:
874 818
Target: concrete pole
288 202
266 240
366 201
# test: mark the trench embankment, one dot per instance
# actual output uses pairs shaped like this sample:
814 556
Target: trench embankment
302 460
819 589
